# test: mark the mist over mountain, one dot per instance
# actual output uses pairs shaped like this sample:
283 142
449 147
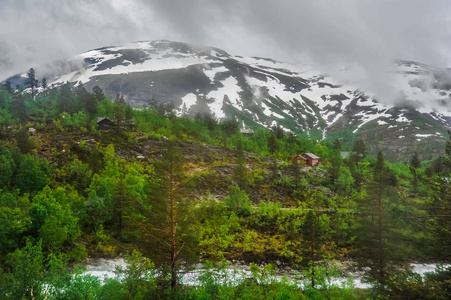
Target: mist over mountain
263 92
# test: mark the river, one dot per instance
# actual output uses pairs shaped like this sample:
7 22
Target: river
101 268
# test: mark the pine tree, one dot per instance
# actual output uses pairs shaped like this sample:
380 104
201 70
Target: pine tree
440 206
172 222
377 236
118 118
119 99
98 94
334 167
8 87
209 121
359 150
31 81
44 86
228 127
91 104
121 202
357 155
315 231
128 116
18 107
278 132
23 140
337 145
273 145
415 161
65 99
311 236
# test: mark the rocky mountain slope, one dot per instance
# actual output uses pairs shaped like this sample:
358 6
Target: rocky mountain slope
263 92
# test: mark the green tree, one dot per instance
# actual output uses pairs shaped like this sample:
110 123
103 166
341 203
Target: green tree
14 222
28 272
44 87
357 155
278 132
358 150
138 277
121 202
437 165
31 81
82 97
128 116
65 99
53 221
439 208
415 161
238 201
172 223
33 274
273 145
98 94
7 87
23 140
216 228
91 105
119 118
18 108
53 233
377 235
119 99
333 168
345 181
337 145
8 167
33 174
78 175
229 128
96 160
314 233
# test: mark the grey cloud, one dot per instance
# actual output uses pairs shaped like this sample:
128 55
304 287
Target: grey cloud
333 34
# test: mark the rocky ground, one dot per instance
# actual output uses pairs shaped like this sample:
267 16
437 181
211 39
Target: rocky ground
212 165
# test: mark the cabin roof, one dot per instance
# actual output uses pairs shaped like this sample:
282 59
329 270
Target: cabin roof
300 156
311 155
246 130
101 119
105 119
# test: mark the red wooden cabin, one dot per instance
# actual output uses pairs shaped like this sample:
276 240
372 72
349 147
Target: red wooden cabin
311 159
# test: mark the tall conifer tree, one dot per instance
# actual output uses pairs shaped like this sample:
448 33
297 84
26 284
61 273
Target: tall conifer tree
31 81
172 221
377 236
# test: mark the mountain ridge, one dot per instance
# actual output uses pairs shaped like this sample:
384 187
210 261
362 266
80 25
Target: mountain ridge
263 92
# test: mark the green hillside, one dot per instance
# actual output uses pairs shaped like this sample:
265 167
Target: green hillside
169 192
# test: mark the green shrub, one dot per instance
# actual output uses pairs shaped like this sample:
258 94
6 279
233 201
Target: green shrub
238 201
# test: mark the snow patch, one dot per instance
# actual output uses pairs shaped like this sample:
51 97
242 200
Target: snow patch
211 72
187 101
230 89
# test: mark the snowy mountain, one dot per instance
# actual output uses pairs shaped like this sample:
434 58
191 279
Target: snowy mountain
257 91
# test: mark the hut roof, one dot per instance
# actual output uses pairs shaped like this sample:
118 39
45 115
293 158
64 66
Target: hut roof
311 155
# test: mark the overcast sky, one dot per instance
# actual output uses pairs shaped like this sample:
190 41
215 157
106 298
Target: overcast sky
366 33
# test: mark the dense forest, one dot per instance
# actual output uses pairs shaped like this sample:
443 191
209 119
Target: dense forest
168 192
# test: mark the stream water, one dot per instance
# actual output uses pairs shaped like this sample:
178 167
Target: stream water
102 268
